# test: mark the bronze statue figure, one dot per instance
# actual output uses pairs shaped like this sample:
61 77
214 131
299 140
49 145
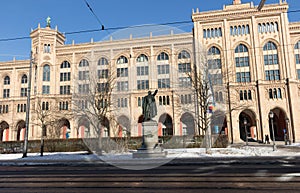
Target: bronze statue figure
149 106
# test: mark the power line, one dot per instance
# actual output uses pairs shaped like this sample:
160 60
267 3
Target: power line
116 28
92 11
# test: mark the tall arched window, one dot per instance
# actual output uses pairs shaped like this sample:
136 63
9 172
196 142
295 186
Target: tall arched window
242 60
163 56
65 64
83 63
271 58
142 58
24 79
184 55
102 61
46 73
6 80
122 60
241 56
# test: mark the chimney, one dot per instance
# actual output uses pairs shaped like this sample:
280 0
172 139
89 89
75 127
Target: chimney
236 2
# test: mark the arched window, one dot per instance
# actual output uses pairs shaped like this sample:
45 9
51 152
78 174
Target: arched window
249 95
235 30
297 45
142 58
243 30
83 63
247 29
279 94
259 28
241 95
241 48
245 95
231 30
6 80
184 55
213 33
239 30
46 73
65 64
270 46
221 96
216 96
163 56
241 60
270 93
204 33
270 56
220 32
122 60
24 79
102 61
208 33
275 93
214 51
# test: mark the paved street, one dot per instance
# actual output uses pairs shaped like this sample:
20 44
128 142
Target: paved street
245 175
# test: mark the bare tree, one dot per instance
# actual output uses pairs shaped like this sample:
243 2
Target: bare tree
45 115
92 100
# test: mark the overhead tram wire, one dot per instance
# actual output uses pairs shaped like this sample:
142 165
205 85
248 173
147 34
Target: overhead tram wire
97 18
115 28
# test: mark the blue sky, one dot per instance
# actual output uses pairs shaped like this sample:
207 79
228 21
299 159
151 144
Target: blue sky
19 17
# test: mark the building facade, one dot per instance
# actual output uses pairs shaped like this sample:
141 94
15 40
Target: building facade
257 53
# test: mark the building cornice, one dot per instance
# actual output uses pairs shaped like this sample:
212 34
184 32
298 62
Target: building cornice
245 12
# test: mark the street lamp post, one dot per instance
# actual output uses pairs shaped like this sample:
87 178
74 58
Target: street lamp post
246 132
288 131
271 115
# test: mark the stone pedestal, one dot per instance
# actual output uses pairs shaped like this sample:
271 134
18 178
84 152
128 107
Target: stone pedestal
150 147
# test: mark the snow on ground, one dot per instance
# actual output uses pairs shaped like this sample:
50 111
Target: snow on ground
242 151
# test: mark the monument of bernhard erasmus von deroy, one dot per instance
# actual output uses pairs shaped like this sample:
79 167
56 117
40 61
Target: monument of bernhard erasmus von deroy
150 147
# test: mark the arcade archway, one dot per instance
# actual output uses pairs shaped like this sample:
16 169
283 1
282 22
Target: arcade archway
250 126
279 124
165 125
21 130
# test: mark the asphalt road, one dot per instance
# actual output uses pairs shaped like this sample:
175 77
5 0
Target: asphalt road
263 175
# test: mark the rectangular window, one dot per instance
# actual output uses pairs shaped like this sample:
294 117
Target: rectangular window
46 89
122 86
163 69
298 72
272 75
122 72
243 77
6 93
103 74
65 89
297 58
23 92
185 82
142 70
103 87
184 67
142 84
83 75
164 83
83 88
65 76
216 79
122 102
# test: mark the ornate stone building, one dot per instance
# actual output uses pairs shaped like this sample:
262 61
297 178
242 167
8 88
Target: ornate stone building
259 56
257 53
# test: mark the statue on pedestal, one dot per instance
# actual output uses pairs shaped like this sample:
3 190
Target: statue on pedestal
48 20
149 106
